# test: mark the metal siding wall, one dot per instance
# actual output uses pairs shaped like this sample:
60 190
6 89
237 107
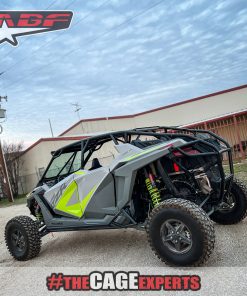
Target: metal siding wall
234 130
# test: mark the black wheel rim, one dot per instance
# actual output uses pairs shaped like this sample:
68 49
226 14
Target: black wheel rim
176 236
228 204
18 240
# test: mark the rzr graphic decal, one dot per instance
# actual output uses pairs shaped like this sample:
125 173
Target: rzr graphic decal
19 23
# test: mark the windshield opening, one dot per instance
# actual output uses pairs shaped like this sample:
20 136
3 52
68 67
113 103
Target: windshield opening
64 164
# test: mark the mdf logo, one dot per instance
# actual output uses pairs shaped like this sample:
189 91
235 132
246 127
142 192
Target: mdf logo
20 23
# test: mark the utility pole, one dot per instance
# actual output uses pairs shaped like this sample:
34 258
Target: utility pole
3 111
5 183
51 128
77 110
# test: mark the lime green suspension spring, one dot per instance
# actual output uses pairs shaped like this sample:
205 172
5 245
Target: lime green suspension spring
39 216
154 192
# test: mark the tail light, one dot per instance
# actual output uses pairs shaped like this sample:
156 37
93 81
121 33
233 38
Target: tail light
176 167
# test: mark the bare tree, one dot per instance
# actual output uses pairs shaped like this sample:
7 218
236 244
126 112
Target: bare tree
14 163
2 183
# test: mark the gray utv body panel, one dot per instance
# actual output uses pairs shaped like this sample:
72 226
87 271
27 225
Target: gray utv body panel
94 199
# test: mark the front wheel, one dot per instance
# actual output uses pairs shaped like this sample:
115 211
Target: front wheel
234 207
180 233
22 238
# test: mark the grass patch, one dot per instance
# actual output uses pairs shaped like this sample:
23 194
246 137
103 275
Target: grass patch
238 168
21 199
240 171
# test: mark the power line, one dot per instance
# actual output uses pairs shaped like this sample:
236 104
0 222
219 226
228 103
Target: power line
67 6
50 5
58 36
8 53
25 40
93 40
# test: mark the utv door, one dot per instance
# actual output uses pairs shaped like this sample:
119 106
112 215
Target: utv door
84 194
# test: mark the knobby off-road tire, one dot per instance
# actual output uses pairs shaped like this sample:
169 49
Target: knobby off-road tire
238 211
199 231
22 238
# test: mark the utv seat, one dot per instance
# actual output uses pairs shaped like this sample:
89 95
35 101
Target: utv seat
95 164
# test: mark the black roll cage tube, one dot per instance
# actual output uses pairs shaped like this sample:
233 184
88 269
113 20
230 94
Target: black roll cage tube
158 132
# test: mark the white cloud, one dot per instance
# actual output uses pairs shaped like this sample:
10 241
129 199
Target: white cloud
223 4
174 51
112 21
185 5
186 30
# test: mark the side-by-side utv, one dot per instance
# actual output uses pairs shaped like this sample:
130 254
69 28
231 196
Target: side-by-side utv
168 181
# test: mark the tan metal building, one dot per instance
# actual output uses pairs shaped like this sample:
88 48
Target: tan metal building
36 157
223 112
187 112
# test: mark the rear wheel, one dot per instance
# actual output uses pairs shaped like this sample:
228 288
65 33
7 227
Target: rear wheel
180 233
234 207
22 238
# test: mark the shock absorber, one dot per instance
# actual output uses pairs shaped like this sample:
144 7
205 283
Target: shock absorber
152 189
38 213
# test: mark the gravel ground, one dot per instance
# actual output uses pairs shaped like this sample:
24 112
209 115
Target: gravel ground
82 252
127 247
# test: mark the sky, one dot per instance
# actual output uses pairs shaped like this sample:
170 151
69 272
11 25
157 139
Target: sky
119 57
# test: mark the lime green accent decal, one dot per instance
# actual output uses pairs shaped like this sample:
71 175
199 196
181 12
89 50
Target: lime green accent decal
74 209
80 173
86 199
143 153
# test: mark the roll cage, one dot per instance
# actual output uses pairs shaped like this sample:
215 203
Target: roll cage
206 142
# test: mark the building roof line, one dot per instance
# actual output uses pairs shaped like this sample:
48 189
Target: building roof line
213 119
156 109
77 138
69 138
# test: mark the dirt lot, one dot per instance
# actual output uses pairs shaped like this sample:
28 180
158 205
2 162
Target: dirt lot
121 249
117 247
